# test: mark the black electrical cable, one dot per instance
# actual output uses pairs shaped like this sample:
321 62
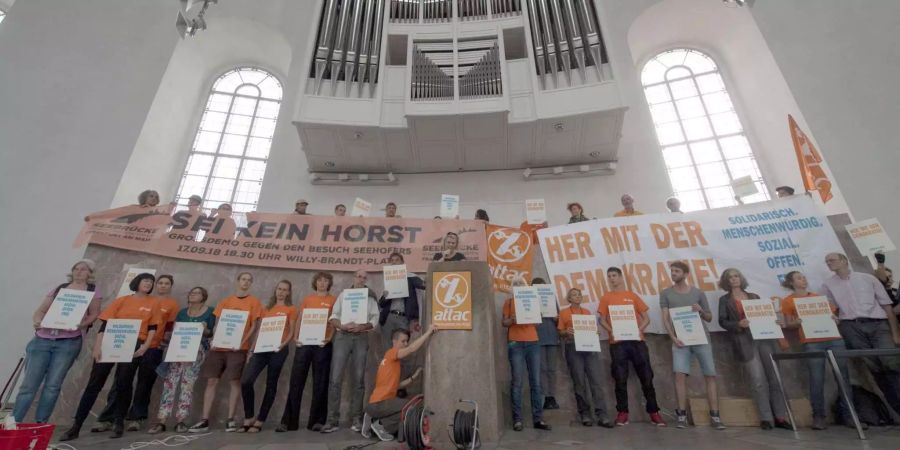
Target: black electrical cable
464 425
412 427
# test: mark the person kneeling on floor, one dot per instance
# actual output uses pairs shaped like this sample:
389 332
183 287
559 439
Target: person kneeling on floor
383 411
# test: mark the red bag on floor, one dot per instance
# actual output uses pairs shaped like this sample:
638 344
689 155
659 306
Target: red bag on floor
28 436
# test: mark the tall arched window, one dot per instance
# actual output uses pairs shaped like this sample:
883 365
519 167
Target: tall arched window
702 139
228 160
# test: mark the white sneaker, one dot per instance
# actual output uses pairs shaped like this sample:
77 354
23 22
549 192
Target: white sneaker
356 425
382 434
366 428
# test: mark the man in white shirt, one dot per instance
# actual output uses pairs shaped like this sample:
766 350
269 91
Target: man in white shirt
351 346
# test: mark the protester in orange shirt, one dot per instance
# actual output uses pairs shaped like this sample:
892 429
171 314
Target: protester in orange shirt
634 352
584 367
280 304
228 363
140 306
146 374
383 411
796 282
628 207
315 357
524 354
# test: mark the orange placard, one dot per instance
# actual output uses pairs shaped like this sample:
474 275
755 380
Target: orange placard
811 170
509 255
451 300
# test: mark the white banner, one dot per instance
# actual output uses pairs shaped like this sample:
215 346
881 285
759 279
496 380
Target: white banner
586 337
528 305
816 318
762 317
763 240
870 238
549 305
185 342
535 211
361 208
67 309
688 325
395 281
230 329
119 340
354 306
313 325
449 206
271 333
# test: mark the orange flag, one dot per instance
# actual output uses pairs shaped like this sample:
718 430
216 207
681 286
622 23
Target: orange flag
811 170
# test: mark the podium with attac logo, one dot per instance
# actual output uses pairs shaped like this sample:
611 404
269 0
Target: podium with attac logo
461 361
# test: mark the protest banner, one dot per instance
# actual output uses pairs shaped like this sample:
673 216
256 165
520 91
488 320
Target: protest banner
535 211
230 329
119 340
688 326
870 237
361 208
451 300
764 240
527 305
354 306
549 305
509 256
185 342
289 241
313 325
271 333
449 206
586 337
395 282
762 317
816 318
624 323
67 309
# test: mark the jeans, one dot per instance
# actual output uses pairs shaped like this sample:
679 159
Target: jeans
272 362
123 381
146 378
352 348
526 356
584 368
388 413
638 355
885 369
766 393
817 370
549 362
306 357
47 361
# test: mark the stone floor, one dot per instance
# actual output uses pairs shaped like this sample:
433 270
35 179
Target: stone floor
639 436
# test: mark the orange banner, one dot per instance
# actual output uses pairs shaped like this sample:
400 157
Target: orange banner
509 255
289 241
451 300
811 170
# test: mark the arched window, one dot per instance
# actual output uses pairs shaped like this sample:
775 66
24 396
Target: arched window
702 139
2 15
228 160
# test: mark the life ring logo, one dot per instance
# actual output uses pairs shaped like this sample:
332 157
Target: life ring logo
451 291
508 245
451 300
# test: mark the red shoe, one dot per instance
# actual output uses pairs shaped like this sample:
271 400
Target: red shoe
621 419
657 419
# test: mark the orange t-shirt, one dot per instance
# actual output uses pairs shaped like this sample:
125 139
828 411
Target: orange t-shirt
518 333
788 308
281 310
319 301
388 378
133 307
624 213
622 298
564 322
250 304
168 310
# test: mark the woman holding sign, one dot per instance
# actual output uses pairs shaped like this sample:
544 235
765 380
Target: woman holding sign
50 355
584 366
280 305
754 354
185 374
796 282
141 308
312 352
